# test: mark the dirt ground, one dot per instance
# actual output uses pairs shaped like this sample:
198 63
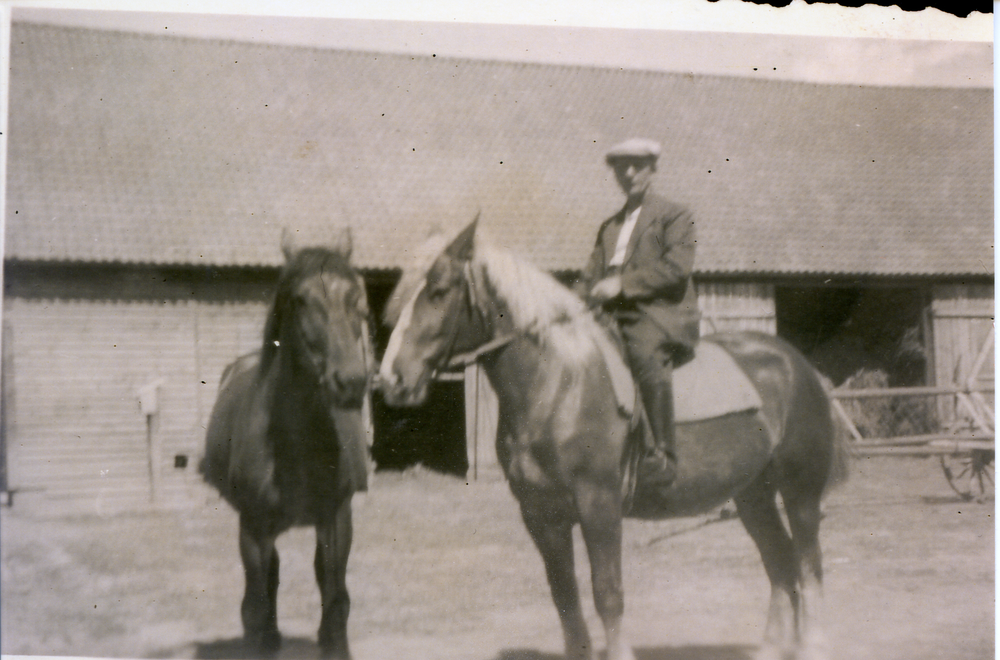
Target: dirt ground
443 570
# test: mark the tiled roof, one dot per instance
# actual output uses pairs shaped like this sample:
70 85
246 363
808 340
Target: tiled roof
146 149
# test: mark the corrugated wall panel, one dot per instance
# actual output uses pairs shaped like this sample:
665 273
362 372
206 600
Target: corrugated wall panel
729 306
78 366
224 331
77 429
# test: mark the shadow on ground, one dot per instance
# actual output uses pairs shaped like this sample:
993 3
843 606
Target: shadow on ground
727 652
955 499
292 648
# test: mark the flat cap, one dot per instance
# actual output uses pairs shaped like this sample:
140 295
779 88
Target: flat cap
634 148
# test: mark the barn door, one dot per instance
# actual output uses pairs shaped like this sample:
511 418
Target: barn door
962 323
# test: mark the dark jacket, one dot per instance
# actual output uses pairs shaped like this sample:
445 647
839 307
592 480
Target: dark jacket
656 275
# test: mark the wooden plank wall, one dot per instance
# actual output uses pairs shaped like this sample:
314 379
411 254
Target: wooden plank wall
76 430
729 306
961 323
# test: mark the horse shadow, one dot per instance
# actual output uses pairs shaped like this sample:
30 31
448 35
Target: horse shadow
934 500
693 652
292 648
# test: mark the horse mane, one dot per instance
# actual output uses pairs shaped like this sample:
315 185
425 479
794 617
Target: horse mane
306 263
534 299
534 302
538 304
419 262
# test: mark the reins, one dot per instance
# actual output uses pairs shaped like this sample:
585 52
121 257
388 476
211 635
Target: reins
471 357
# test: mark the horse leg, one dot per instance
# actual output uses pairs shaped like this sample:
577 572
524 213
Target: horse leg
553 536
601 522
803 519
333 545
759 513
260 600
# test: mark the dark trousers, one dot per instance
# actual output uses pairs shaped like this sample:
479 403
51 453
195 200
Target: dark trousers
651 357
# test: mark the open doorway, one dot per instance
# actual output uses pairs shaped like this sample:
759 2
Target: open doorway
432 435
844 330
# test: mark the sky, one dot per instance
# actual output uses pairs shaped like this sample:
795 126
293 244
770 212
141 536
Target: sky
821 43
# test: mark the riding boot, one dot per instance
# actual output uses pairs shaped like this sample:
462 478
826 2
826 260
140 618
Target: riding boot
659 466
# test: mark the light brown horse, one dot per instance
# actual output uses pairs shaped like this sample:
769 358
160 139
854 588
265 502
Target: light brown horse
565 445
285 441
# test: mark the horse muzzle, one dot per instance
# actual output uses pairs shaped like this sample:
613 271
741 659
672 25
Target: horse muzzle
396 393
346 389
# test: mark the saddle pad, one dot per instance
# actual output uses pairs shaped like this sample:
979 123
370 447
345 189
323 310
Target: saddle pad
711 385
624 387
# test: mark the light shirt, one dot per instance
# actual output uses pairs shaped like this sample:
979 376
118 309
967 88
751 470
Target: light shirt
618 258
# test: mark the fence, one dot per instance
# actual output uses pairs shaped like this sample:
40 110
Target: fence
956 423
921 420
971 428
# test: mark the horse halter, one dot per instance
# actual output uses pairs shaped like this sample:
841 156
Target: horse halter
471 357
447 360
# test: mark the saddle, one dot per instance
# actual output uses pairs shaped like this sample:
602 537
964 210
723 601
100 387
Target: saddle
709 385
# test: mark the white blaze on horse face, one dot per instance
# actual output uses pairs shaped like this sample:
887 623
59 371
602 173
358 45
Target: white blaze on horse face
386 373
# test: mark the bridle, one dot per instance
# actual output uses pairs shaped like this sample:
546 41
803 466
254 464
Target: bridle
453 361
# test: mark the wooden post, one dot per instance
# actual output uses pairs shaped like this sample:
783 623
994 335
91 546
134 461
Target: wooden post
7 446
480 422
155 449
4 94
149 406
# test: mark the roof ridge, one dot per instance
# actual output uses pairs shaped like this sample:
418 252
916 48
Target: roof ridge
479 61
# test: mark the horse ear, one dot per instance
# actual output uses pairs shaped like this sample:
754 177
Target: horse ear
461 248
288 244
343 244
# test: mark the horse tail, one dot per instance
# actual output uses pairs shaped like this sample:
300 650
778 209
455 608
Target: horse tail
840 464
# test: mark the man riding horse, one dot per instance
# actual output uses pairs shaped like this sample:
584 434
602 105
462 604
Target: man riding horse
640 274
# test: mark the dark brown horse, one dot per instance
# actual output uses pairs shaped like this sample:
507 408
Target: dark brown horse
285 443
566 450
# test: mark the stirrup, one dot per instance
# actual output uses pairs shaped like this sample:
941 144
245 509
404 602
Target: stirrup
656 468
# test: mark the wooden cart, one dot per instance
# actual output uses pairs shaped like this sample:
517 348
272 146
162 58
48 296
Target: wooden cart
964 444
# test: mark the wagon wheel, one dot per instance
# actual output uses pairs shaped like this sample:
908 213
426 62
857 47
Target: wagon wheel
970 475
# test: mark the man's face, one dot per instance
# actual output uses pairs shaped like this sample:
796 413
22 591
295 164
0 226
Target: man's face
634 174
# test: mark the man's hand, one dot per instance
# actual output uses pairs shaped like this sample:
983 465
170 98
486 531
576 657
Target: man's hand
606 289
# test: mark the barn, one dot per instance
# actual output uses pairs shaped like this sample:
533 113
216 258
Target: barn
149 180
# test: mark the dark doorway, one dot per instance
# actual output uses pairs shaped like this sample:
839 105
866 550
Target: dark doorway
432 435
844 330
